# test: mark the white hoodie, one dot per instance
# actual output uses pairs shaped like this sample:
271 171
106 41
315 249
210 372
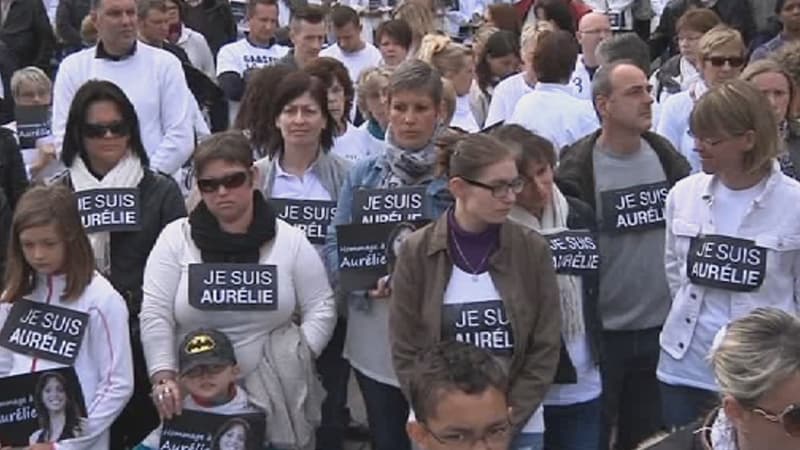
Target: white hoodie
104 363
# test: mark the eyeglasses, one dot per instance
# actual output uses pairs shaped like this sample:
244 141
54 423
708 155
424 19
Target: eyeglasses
494 438
712 142
230 181
98 130
501 190
201 370
789 418
719 61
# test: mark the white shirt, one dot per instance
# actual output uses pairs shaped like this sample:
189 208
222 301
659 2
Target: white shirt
104 364
698 311
463 117
154 82
356 62
376 146
198 51
581 81
553 112
307 187
354 145
673 122
505 97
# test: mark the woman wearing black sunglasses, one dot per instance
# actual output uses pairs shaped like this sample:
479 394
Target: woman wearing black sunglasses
722 58
475 277
103 153
234 266
757 367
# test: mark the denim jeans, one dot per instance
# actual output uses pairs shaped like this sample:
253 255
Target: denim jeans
682 405
573 427
528 441
387 414
631 395
335 373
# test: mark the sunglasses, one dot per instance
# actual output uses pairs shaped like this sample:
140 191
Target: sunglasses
98 130
789 418
230 181
719 61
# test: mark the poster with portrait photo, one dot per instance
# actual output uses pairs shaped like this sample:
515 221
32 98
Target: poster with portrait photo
368 252
206 431
41 407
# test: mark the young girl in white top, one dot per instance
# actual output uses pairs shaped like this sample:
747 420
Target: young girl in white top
46 228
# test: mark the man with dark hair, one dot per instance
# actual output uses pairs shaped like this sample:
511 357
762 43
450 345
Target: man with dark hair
394 38
350 48
26 30
152 79
628 46
307 33
458 393
256 50
624 172
788 12
154 27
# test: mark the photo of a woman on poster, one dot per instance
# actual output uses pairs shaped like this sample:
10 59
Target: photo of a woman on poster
232 435
58 412
396 238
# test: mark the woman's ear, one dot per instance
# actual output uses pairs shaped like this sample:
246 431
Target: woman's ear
750 139
735 412
457 187
417 433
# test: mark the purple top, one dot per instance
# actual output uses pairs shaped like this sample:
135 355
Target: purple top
470 251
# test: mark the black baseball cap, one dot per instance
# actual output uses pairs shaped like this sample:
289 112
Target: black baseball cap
205 347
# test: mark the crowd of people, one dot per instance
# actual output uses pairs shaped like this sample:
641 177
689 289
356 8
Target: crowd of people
574 221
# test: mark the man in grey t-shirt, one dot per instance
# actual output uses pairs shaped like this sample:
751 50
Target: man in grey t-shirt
625 172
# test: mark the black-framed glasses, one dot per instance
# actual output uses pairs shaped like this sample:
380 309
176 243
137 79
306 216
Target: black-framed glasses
98 130
494 438
789 418
230 181
719 61
500 190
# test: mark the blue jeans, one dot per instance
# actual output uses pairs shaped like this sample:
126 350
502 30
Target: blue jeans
573 427
387 414
528 441
682 405
631 396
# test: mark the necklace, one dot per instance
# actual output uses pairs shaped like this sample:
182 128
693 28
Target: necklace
472 271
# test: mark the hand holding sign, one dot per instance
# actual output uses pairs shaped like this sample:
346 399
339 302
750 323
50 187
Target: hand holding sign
382 289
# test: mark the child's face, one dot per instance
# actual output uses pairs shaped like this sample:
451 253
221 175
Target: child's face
43 248
210 382
463 421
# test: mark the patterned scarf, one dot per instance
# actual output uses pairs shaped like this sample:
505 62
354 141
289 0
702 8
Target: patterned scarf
409 167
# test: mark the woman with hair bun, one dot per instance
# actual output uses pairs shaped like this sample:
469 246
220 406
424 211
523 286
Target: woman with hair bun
475 277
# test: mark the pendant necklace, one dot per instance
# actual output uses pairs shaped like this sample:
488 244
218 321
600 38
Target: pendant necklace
472 271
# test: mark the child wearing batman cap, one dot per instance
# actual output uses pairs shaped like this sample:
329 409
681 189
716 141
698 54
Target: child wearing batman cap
208 372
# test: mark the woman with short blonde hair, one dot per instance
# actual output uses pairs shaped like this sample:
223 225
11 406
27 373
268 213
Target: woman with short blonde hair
371 98
728 246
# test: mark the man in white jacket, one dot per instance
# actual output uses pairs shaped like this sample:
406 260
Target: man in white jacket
151 78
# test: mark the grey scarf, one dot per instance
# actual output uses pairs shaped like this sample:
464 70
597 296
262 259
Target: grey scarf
409 167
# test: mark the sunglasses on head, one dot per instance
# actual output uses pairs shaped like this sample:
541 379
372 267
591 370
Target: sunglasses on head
98 130
230 181
789 418
719 61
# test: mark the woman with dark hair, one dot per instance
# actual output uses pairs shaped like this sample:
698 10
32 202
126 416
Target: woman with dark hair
505 17
51 265
498 59
233 265
232 435
252 117
103 150
556 12
56 410
351 142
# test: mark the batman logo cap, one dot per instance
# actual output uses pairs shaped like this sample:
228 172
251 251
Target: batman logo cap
205 347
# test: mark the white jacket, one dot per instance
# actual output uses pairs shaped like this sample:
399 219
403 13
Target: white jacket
104 363
167 316
772 221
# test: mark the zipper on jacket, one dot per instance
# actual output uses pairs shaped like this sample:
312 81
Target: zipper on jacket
49 295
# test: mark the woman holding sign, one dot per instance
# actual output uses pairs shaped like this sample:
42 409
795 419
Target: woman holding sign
414 96
124 205
58 311
475 277
732 244
234 266
572 411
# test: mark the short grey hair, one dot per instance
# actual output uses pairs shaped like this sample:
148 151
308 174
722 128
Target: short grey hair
627 46
756 354
30 75
416 75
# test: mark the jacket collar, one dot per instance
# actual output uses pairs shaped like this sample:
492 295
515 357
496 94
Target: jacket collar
101 53
773 178
500 259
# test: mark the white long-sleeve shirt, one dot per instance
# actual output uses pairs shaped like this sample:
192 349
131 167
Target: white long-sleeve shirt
553 112
104 363
167 316
673 122
154 82
505 97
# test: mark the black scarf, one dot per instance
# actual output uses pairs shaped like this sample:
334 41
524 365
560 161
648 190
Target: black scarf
218 246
